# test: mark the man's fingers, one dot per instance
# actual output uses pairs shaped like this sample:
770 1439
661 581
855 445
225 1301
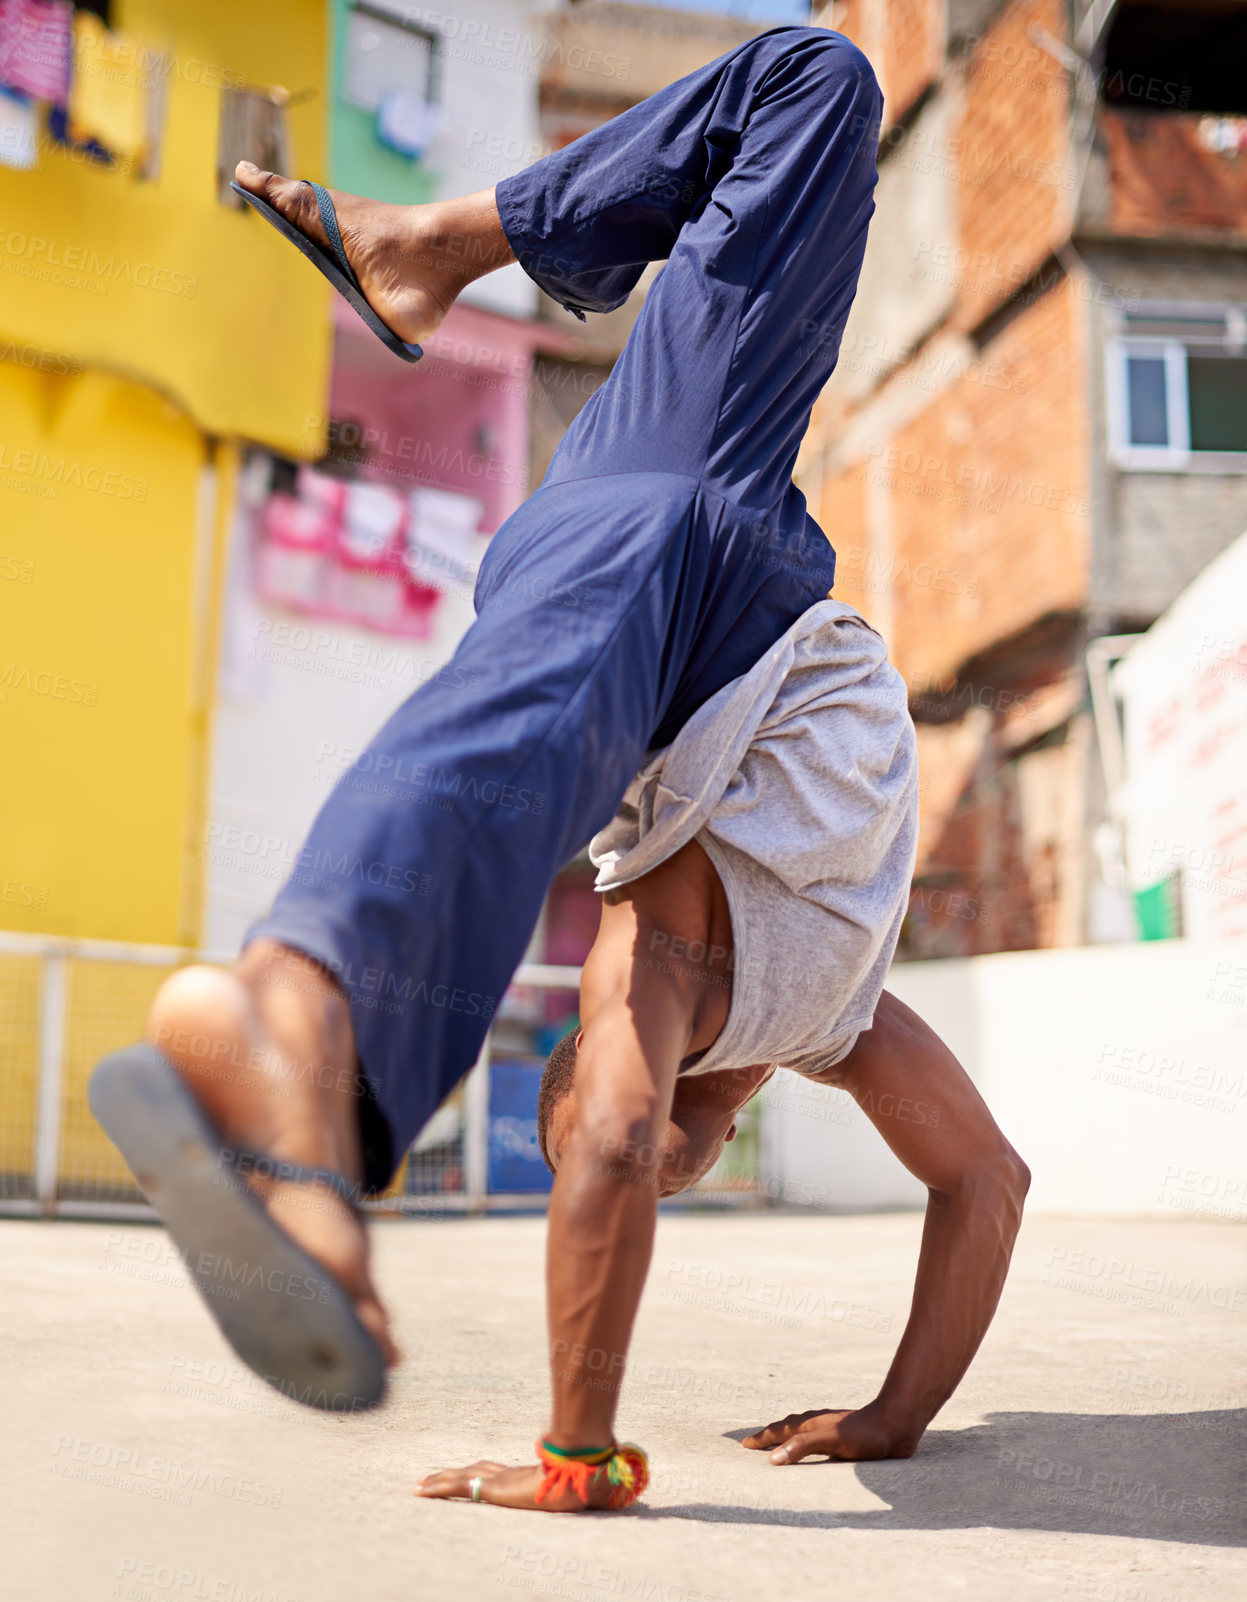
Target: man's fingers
780 1431
445 1482
818 1436
811 1443
458 1481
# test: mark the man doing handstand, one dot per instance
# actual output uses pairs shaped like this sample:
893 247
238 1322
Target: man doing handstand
270 1097
754 882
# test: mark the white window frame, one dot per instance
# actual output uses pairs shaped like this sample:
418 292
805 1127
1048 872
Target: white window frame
402 19
1177 456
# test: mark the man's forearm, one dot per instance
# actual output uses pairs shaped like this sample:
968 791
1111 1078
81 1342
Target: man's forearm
976 1184
605 1201
601 1235
967 1241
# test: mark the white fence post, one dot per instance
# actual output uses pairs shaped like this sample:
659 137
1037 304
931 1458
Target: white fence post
53 993
476 1132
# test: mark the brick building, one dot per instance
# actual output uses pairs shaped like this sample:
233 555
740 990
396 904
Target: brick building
1037 433
600 57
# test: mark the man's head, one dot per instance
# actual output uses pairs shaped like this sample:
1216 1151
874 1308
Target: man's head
702 1121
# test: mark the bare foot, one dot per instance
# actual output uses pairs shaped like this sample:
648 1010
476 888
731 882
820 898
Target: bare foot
267 1051
411 261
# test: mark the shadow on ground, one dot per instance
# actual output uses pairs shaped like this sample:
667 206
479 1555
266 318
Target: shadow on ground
1165 1477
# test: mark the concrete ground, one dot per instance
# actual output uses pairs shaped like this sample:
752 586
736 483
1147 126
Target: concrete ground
1095 1450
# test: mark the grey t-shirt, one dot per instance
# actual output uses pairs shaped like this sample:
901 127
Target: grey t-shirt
800 780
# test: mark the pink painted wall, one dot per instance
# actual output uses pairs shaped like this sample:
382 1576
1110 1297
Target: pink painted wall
457 420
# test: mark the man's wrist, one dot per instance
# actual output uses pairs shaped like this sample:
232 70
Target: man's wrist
903 1424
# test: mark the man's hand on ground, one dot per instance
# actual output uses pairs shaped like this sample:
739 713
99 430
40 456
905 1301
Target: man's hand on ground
845 1435
508 1487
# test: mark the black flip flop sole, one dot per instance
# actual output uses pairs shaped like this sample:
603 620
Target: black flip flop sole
321 259
285 1316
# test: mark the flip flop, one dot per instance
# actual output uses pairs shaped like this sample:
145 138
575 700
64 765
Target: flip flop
336 268
281 1311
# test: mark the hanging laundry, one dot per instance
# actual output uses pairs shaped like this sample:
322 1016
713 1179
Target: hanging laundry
1227 136
58 133
108 101
299 537
291 521
406 122
367 584
18 143
420 604
253 128
372 522
443 546
35 47
324 496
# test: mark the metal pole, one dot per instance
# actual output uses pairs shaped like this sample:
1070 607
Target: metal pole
476 1132
1102 654
52 998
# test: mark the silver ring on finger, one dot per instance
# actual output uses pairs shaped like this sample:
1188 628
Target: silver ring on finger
474 1485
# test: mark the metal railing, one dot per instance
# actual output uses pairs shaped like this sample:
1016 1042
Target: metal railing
64 1003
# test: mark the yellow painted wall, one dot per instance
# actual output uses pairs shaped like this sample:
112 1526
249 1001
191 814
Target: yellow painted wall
19 1062
107 1008
143 327
157 279
100 482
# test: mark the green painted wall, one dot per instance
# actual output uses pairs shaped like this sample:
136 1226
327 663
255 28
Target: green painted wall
358 161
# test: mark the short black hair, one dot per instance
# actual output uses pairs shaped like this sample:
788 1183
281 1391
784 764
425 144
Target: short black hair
556 1081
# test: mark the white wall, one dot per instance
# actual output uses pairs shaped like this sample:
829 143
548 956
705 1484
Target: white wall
290 686
489 59
1118 1072
1184 693
908 282
819 1150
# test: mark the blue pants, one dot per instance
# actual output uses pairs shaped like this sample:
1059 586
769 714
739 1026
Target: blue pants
666 549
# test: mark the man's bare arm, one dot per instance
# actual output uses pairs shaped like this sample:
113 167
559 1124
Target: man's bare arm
922 1102
603 1208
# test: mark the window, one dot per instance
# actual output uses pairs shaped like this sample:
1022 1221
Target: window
1177 389
385 55
253 128
1183 56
